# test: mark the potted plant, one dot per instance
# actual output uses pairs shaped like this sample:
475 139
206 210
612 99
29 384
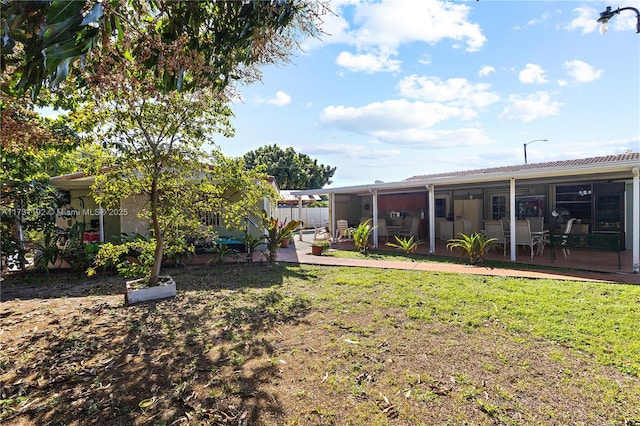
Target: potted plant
320 246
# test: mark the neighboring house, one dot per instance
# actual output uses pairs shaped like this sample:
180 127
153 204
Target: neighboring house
603 193
105 225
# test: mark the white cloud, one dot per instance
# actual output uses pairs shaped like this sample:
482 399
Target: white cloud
457 91
402 122
381 27
535 21
582 72
367 62
347 150
529 108
281 99
486 70
425 59
390 23
391 114
430 139
532 74
585 21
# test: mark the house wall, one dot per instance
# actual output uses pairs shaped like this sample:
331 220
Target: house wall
348 207
85 209
130 223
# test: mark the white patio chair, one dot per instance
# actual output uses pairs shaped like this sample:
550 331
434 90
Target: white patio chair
413 232
383 232
494 229
321 233
524 237
343 230
567 230
536 223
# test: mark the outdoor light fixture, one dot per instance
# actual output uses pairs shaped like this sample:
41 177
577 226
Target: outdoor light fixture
608 14
525 147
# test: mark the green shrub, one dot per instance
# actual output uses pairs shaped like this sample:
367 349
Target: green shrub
474 246
409 245
361 236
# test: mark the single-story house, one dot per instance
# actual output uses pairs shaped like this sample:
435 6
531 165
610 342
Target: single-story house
104 225
602 194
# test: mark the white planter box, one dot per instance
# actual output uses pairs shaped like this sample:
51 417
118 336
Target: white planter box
166 288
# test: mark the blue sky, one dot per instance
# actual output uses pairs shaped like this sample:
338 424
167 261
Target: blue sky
409 87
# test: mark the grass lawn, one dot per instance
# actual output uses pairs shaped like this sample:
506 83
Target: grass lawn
311 345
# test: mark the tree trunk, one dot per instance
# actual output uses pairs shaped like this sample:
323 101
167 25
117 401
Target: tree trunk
157 258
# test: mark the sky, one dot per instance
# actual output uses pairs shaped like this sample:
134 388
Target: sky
398 88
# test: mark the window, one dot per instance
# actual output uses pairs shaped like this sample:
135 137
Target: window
575 198
211 219
498 207
441 207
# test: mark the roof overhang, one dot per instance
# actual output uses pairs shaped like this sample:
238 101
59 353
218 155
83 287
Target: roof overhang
622 168
72 181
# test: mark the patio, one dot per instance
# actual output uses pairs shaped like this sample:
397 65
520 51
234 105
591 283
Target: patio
580 264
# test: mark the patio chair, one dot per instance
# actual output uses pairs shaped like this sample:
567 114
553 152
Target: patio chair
320 233
536 223
524 236
343 230
567 230
413 232
494 229
537 227
383 232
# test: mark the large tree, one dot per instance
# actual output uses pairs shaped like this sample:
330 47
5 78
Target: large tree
157 153
183 45
291 169
159 73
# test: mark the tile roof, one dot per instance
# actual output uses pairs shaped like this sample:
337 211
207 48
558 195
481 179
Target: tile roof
629 156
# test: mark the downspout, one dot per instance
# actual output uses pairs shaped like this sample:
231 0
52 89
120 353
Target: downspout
636 220
374 192
512 217
432 218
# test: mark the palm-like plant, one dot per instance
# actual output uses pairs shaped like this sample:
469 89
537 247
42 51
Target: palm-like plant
408 245
276 233
474 245
252 243
361 236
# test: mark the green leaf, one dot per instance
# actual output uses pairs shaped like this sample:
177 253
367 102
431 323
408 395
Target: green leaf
94 14
62 72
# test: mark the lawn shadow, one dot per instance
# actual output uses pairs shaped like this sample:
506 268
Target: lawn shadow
30 285
200 356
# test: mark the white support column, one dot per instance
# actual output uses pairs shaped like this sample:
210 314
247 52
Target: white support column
300 216
512 218
374 192
432 218
332 213
101 224
636 220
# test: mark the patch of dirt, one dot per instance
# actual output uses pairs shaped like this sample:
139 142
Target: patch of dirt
235 349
